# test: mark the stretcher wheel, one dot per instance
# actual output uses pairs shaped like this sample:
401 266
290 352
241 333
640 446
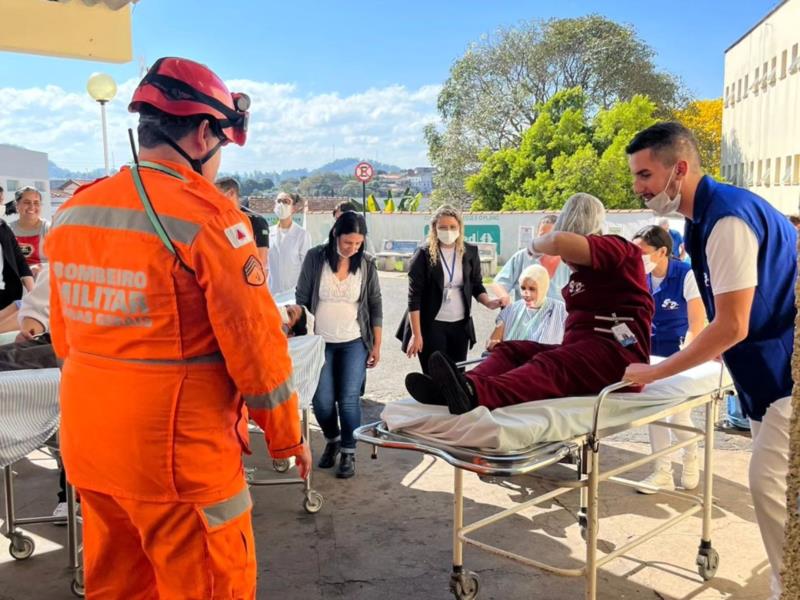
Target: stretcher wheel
77 588
313 502
281 465
707 563
21 547
464 585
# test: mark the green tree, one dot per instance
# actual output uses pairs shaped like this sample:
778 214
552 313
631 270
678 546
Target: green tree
495 90
564 152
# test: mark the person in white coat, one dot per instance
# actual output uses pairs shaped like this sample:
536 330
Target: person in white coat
288 243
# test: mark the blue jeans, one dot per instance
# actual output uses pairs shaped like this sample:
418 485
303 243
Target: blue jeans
337 399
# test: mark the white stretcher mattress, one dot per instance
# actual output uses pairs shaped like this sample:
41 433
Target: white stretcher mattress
29 411
29 408
516 427
308 357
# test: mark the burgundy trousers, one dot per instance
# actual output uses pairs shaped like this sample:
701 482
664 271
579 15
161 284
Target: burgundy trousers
518 371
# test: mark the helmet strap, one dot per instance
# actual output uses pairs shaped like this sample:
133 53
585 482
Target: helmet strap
195 163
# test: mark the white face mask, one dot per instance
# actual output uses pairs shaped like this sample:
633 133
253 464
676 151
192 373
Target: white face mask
649 265
283 211
661 203
447 236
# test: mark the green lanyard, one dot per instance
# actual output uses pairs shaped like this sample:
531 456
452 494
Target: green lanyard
148 206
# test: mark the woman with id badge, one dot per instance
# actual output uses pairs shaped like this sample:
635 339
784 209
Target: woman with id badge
444 276
609 313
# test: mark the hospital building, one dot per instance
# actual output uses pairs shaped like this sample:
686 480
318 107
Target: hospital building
760 117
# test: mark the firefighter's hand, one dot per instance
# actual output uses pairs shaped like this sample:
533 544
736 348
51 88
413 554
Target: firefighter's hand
302 461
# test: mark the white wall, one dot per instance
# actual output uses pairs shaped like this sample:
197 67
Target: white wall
480 226
764 123
20 167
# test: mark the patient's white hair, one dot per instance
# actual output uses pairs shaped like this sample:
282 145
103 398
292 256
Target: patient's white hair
539 275
583 214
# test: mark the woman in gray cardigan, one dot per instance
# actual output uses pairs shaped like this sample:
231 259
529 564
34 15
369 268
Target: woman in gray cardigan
339 284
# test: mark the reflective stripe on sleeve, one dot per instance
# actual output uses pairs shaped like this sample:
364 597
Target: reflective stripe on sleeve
125 219
272 399
228 510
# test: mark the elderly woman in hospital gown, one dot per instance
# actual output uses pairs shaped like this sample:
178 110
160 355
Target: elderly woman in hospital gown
609 315
535 317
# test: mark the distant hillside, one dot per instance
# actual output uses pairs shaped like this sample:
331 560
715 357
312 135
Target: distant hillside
340 166
57 172
347 166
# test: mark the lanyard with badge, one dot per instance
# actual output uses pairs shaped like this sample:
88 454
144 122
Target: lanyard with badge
451 271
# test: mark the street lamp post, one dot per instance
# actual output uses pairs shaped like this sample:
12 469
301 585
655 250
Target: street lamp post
102 89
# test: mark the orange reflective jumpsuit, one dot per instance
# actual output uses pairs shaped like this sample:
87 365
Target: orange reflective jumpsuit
164 356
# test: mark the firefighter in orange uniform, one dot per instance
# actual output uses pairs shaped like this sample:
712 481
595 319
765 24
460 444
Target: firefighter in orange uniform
170 341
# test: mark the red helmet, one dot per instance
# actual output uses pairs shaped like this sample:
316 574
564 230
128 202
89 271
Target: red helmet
183 88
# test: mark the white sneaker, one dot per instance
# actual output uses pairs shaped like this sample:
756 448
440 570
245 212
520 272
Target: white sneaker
658 480
61 512
690 477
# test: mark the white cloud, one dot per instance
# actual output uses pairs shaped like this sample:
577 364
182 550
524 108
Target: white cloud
287 128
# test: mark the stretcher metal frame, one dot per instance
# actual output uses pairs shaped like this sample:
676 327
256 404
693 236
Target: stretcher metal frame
584 453
22 546
312 499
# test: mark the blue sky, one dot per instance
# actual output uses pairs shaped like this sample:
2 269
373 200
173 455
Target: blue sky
333 78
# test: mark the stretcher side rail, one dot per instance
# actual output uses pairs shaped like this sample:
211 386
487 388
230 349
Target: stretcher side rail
584 474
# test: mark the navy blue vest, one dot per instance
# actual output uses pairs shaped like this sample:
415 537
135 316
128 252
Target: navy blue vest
671 320
760 364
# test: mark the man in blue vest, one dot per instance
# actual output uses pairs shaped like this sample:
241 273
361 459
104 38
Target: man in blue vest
744 256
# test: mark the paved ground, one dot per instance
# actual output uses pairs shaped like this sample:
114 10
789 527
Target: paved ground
386 533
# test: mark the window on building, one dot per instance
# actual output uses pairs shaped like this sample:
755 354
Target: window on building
773 72
765 75
39 185
727 95
756 81
738 90
787 171
749 182
784 60
746 85
767 171
760 172
796 170
12 185
795 64
740 176
777 180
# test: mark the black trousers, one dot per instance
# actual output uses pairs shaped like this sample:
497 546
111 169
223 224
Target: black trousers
451 339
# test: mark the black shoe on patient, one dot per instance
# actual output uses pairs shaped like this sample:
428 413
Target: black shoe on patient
347 465
422 389
452 385
328 458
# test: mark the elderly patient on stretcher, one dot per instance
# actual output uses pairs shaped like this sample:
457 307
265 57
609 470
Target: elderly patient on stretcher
609 314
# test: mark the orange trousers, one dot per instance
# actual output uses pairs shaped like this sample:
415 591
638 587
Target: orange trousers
136 550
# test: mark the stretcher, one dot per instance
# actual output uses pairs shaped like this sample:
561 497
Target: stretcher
521 440
308 357
29 418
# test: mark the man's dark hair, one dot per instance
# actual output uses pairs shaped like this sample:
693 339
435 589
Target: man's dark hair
669 141
154 124
793 219
227 184
349 222
343 207
301 326
655 236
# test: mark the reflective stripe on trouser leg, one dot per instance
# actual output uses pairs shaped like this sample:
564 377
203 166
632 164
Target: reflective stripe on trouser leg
190 555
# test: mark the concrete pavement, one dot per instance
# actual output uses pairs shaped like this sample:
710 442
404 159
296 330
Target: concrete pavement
386 534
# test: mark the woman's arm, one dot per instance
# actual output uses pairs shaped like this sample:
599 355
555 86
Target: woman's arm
375 353
571 247
496 336
697 319
476 279
305 282
415 343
